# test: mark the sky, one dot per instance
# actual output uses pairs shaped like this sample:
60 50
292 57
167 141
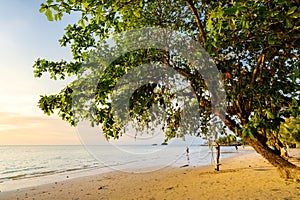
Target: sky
26 35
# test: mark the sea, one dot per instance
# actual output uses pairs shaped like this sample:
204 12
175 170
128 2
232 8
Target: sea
27 166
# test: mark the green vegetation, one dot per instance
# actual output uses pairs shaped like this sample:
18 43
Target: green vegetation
227 140
255 46
289 133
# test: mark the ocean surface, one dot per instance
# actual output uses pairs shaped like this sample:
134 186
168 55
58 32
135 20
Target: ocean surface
24 166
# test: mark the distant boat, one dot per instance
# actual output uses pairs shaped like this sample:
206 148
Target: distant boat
164 143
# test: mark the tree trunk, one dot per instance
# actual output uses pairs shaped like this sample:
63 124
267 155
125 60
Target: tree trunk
217 168
286 169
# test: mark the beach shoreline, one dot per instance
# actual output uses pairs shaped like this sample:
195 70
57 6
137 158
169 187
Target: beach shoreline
245 176
41 165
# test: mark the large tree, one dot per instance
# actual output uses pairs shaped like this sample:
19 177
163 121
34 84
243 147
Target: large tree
254 44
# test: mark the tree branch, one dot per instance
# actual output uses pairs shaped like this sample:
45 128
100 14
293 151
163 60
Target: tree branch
197 17
259 61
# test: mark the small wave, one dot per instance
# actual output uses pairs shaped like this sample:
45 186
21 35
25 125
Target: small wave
17 177
21 170
47 172
24 176
73 169
229 152
41 173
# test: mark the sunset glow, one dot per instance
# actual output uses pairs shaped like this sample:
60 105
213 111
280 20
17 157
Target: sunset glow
25 36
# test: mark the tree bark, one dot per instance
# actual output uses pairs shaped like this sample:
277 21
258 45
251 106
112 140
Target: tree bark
286 169
217 168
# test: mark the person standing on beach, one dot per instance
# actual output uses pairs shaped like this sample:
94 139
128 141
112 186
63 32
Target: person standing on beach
187 154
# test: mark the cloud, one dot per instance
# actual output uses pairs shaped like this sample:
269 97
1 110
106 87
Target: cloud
19 129
5 127
26 104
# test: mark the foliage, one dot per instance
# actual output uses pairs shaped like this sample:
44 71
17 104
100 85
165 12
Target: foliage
261 62
290 131
254 44
227 140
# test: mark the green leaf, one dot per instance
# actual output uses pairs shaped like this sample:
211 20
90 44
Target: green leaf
209 23
247 25
55 7
219 14
271 41
286 125
250 134
245 132
137 13
49 15
292 10
230 11
85 5
270 115
288 23
274 13
58 16
294 103
295 15
81 22
43 8
232 23
220 27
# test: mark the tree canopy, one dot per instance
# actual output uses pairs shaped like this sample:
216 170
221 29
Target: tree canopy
254 45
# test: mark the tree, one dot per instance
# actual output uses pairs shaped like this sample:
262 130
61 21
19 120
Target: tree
255 45
227 140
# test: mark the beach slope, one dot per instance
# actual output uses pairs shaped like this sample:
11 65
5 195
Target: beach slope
246 176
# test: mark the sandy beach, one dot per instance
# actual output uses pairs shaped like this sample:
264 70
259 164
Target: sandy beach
246 176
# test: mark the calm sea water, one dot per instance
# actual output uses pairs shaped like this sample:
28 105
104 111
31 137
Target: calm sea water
23 166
